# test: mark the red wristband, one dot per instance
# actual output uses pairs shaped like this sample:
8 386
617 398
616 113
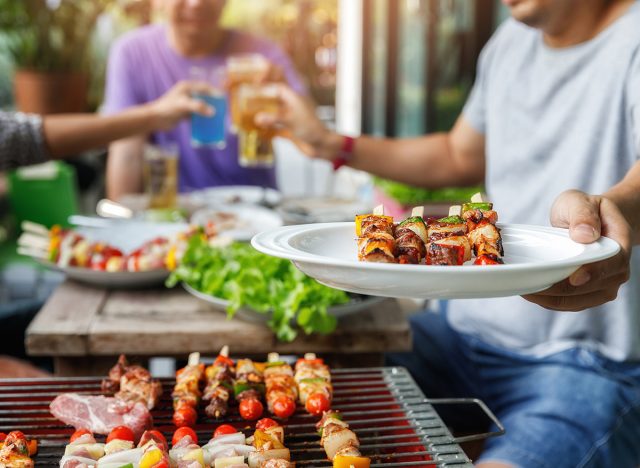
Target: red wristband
346 151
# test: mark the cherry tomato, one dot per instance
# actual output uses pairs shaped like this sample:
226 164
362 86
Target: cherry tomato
79 433
185 416
284 407
121 433
2 436
251 409
265 423
486 260
224 429
156 436
182 432
317 404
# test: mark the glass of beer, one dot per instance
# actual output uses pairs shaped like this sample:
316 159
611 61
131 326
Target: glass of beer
160 172
209 130
255 147
241 69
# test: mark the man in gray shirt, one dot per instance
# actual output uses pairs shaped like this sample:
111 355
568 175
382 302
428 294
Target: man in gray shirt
552 126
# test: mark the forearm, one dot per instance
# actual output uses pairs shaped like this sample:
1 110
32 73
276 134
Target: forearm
439 160
626 196
67 135
426 162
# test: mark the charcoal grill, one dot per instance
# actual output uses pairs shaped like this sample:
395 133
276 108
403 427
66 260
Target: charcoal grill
397 426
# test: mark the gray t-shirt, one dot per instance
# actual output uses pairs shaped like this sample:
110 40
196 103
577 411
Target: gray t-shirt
556 119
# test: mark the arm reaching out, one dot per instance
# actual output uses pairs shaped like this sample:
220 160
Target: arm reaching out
433 161
70 134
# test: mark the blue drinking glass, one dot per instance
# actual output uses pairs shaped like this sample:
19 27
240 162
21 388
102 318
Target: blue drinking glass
210 130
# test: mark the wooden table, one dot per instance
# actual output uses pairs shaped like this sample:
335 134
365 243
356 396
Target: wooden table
84 328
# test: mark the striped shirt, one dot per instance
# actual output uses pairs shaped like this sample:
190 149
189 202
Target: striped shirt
21 140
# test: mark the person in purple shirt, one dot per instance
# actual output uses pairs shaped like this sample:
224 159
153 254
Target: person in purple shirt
146 62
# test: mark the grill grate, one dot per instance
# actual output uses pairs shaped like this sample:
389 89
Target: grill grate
397 426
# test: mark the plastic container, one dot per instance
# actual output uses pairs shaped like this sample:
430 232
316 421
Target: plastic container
45 194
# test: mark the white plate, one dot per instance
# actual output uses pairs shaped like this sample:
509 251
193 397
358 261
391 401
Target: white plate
126 235
251 315
232 194
536 257
112 280
250 220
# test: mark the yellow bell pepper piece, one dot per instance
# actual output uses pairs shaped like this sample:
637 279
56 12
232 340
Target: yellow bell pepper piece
150 458
340 461
171 261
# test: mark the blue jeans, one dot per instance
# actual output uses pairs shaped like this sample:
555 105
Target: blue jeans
571 409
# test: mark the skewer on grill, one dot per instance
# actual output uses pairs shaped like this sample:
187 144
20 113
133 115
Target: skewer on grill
314 384
268 440
281 388
219 377
376 242
132 383
186 393
16 451
249 389
340 443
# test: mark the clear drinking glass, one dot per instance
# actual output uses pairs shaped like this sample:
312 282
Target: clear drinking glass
241 69
255 143
160 173
210 130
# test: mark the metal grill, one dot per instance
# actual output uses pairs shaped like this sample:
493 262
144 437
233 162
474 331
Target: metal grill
397 426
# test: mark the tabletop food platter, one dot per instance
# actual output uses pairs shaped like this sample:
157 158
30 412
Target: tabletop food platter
358 303
536 257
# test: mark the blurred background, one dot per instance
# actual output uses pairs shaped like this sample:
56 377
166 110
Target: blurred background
380 67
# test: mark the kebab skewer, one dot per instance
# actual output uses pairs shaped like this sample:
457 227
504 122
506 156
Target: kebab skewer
483 233
314 384
219 377
186 393
270 451
249 389
447 240
376 242
340 443
227 448
132 383
281 388
16 451
411 238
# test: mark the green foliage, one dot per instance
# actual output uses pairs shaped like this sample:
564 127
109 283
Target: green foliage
408 195
52 35
247 278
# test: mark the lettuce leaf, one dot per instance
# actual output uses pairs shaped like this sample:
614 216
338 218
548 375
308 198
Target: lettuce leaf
247 278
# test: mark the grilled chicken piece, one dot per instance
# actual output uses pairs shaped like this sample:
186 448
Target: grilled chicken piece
453 250
486 233
377 248
440 230
410 247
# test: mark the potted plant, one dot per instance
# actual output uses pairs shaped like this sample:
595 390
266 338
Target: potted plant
50 41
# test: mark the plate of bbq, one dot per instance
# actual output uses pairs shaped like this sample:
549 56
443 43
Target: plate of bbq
124 254
467 254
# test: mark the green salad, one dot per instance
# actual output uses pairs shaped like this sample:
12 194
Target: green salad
408 195
247 278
